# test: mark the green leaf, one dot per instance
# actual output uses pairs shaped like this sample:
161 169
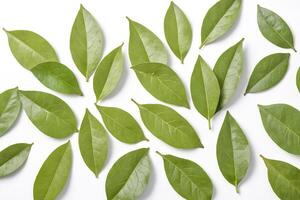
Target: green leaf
57 77
178 31
10 107
187 178
108 73
49 114
121 125
144 45
274 28
219 19
284 179
233 152
13 157
298 79
29 48
129 176
169 126
228 70
205 89
93 143
53 174
281 122
162 82
268 72
86 42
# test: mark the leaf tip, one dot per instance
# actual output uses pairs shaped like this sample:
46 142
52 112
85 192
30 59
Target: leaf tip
4 30
128 18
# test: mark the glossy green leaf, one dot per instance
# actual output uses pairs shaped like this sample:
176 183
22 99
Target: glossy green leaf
53 174
93 143
169 126
49 114
233 152
219 19
57 77
13 157
205 89
108 73
29 48
10 107
274 28
284 179
162 82
187 178
121 125
228 70
268 72
298 79
144 45
178 31
281 122
129 176
86 42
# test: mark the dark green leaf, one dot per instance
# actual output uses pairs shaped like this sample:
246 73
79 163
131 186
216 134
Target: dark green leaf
129 176
49 114
298 79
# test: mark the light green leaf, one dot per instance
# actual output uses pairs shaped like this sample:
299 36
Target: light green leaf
219 19
178 31
93 143
205 89
169 126
53 174
129 176
233 152
187 178
13 157
48 113
268 72
29 48
121 125
274 28
284 179
86 42
57 77
162 82
281 122
10 107
298 79
108 73
228 70
144 45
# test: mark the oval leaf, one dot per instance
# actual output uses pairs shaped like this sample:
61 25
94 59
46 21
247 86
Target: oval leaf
169 126
129 176
121 125
298 79
144 45
10 107
228 70
187 178
108 73
268 72
53 174
219 19
30 49
205 89
13 157
178 31
233 152
284 179
49 114
57 77
86 42
281 122
93 143
274 28
162 82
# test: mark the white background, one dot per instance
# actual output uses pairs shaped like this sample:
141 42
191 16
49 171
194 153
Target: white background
53 20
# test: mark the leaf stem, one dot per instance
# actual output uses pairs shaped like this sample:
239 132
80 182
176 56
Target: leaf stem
209 124
159 153
135 102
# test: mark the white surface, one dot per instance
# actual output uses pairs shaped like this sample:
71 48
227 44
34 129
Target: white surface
53 19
